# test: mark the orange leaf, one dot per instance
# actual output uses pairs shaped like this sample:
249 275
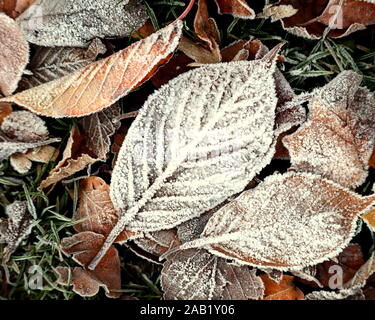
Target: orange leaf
102 83
5 110
284 290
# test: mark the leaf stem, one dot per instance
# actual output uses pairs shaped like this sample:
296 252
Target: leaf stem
187 10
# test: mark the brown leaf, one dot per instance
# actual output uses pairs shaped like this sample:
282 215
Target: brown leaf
289 221
237 8
13 8
5 110
50 64
369 218
338 138
14 55
102 83
197 275
207 30
312 17
22 163
87 144
371 162
95 218
83 246
14 229
283 290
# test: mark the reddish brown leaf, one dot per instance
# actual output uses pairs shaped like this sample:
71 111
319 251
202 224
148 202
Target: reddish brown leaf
283 290
13 8
5 110
14 55
237 8
102 83
87 144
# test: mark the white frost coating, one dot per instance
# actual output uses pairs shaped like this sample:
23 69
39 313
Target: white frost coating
198 275
345 294
288 221
338 138
75 22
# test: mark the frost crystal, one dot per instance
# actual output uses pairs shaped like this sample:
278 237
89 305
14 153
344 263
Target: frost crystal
288 221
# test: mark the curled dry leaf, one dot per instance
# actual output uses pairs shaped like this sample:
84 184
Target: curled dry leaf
49 64
22 131
14 229
87 144
198 275
102 83
237 8
338 138
73 23
14 55
13 8
285 289
288 221
177 160
312 17
95 217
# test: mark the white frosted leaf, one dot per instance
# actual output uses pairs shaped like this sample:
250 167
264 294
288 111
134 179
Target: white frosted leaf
50 64
24 126
345 294
197 140
15 228
72 23
289 221
338 139
198 275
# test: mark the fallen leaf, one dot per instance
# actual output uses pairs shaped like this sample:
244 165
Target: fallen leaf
311 18
288 221
13 8
237 8
73 23
283 290
5 110
24 126
198 275
87 144
102 83
345 294
22 163
14 229
364 272
95 217
177 161
50 64
21 131
338 138
369 218
14 55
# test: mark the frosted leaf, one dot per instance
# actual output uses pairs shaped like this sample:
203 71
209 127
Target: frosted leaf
192 229
313 17
237 8
155 244
278 12
242 283
102 83
364 272
24 126
14 55
346 294
282 289
14 229
49 64
338 138
87 144
198 275
73 23
289 221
